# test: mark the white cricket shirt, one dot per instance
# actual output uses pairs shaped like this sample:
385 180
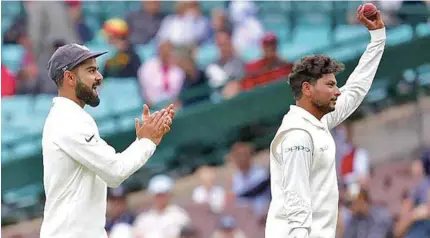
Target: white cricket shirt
78 166
302 158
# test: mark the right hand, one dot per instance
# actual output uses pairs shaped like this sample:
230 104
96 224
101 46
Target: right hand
153 127
378 23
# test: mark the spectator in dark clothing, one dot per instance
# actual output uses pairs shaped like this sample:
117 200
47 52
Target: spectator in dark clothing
117 208
414 218
367 221
194 88
125 63
75 14
16 30
145 22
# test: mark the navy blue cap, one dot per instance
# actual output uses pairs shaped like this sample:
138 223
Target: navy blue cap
67 57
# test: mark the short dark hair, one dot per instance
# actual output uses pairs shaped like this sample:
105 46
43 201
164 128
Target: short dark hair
310 69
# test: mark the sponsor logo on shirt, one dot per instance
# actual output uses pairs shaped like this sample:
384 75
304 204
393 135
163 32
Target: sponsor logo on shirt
324 148
298 148
89 139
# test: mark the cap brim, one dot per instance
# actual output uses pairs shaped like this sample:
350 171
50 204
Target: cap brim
89 56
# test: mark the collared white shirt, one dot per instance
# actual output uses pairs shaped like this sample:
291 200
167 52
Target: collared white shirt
165 224
78 166
302 158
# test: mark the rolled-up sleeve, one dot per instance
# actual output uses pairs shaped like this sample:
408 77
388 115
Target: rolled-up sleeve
83 145
359 82
296 158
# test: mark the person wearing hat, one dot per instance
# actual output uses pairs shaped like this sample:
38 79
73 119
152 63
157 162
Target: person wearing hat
125 62
270 60
164 220
78 165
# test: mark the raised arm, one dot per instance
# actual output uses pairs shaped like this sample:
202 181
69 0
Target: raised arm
360 81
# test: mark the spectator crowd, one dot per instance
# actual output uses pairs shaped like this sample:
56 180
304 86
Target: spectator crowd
169 73
387 201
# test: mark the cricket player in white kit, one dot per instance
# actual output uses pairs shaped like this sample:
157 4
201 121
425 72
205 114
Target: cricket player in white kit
302 154
78 164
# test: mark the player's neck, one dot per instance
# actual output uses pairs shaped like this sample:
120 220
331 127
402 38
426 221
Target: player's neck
63 93
311 109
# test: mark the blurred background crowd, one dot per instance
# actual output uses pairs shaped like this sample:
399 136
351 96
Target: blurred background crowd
223 64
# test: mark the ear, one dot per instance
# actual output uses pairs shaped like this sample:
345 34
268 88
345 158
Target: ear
69 79
307 89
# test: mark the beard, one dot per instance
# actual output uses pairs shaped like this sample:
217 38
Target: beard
324 107
86 94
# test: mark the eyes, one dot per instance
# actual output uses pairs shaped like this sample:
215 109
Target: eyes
331 84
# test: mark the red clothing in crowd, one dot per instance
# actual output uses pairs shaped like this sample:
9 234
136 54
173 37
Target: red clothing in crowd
8 82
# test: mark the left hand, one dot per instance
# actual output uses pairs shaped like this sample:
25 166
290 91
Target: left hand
378 23
146 114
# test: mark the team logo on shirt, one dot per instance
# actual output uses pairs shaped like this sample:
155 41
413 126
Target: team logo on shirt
298 148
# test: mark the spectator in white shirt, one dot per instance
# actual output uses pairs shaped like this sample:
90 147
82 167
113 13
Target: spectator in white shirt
247 28
208 192
187 27
159 78
164 220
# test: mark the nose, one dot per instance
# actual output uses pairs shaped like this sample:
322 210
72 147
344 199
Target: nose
337 92
99 77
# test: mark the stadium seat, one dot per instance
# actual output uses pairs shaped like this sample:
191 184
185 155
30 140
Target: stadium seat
117 9
347 52
25 196
399 35
314 36
17 106
146 51
348 32
11 56
423 29
10 9
378 91
207 54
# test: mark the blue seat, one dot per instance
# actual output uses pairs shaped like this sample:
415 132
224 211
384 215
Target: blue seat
146 51
23 195
294 51
423 29
400 34
424 75
378 91
347 52
11 56
91 8
348 32
10 8
305 34
16 106
114 9
206 54
251 54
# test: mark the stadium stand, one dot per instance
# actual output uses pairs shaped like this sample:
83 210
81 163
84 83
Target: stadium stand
203 133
